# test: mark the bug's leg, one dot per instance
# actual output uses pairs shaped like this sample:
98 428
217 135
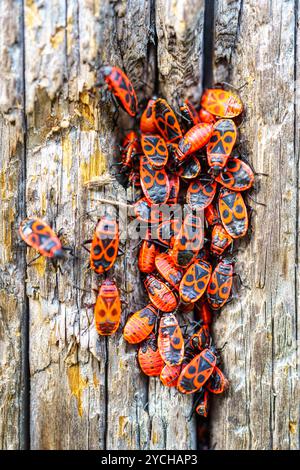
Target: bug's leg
71 250
121 252
86 242
33 260
256 202
237 275
196 401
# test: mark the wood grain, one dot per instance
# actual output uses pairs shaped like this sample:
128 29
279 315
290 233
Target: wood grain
255 46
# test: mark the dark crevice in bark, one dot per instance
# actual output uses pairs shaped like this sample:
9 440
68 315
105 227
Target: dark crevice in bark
208 43
25 368
153 46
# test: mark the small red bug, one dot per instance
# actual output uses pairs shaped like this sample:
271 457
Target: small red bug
190 169
166 121
202 404
221 103
220 284
205 116
147 254
220 240
169 375
202 339
140 324
217 383
130 148
160 294
122 88
149 358
155 183
166 267
220 144
233 213
237 175
188 242
211 215
107 310
170 340
147 123
174 189
189 114
194 375
201 192
105 245
193 140
37 234
155 149
195 281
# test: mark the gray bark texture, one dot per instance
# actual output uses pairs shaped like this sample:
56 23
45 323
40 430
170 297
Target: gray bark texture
61 385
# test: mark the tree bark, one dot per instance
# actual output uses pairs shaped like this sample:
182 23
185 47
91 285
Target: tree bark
256 46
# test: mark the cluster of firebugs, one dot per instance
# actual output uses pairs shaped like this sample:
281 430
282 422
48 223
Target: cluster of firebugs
187 157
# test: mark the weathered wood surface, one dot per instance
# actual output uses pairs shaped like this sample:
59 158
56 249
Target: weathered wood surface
87 392
255 45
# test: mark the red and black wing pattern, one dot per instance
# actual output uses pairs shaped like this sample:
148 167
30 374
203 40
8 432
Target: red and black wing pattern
217 383
188 241
237 175
221 103
155 183
107 310
40 236
140 324
105 245
122 88
166 121
149 358
156 151
190 169
195 281
233 213
145 212
221 143
220 240
201 192
220 284
202 339
170 340
197 372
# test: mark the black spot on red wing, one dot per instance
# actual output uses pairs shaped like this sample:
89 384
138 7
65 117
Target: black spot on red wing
214 138
171 120
97 250
225 213
110 252
228 139
192 370
239 209
189 278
